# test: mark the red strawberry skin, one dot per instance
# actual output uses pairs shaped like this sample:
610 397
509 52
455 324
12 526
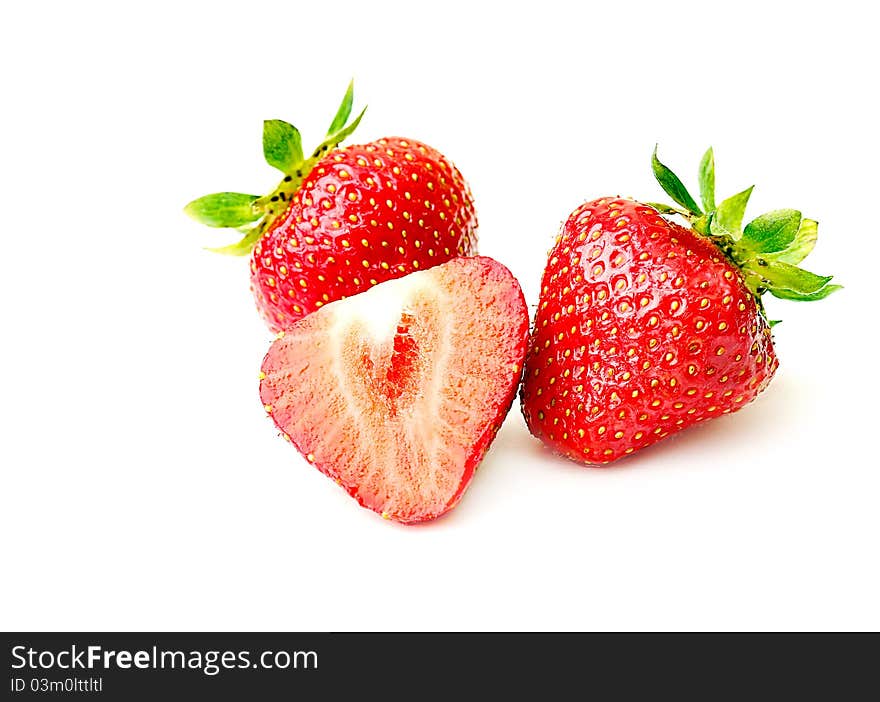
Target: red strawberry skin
397 393
643 329
363 215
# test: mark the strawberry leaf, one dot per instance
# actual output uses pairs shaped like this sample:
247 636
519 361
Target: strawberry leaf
707 180
805 297
244 246
336 138
224 209
673 186
342 114
729 215
282 145
803 243
772 231
783 276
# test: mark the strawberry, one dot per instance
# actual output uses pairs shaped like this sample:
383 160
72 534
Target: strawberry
343 219
397 393
646 327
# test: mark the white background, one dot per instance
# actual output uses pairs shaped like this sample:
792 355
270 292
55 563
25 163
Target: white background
142 485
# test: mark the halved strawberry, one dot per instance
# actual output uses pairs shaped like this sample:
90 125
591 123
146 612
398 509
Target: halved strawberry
397 393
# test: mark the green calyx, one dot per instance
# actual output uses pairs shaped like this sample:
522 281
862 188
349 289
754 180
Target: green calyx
252 215
767 250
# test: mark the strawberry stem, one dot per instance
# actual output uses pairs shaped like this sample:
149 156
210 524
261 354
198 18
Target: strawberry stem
282 149
767 250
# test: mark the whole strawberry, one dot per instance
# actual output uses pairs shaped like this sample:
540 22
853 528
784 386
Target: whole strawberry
646 327
343 219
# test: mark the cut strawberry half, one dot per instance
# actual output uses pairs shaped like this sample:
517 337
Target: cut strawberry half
397 393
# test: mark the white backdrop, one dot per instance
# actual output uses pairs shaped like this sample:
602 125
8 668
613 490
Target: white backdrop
144 488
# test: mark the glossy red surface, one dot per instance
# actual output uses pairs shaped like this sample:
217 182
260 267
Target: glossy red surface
365 214
643 329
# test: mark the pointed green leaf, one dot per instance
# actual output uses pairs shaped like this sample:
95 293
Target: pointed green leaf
672 185
282 145
775 275
707 180
344 110
343 134
772 231
335 139
223 209
806 297
803 243
243 247
729 215
774 322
